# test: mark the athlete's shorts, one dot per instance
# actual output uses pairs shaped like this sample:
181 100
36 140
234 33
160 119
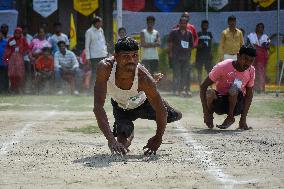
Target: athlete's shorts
123 125
221 104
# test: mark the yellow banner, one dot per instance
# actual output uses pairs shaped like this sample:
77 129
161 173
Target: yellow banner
73 35
264 3
86 7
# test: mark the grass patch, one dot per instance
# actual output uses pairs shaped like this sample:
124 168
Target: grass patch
85 130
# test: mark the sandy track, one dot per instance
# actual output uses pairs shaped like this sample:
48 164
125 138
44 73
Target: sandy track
45 155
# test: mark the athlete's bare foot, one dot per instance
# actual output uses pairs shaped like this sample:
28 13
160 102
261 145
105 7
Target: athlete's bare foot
227 123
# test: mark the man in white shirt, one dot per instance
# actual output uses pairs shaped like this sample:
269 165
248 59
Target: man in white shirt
66 67
150 41
56 37
95 45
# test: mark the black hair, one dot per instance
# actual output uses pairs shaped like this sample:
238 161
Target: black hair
120 29
4 25
204 22
61 42
57 24
150 18
126 44
232 17
96 19
260 24
248 50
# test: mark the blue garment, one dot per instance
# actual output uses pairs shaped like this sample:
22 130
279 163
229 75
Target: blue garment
3 43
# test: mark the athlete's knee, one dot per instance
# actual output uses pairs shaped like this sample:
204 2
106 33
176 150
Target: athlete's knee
210 94
233 91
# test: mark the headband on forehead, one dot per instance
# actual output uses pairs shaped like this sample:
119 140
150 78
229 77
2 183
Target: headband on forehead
248 50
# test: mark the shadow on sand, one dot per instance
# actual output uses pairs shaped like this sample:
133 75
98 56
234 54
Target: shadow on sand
106 160
218 131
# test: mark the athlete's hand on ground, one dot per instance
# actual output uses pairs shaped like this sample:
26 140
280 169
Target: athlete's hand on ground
116 147
152 145
208 120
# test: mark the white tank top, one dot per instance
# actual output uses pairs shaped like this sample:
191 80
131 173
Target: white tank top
150 53
126 99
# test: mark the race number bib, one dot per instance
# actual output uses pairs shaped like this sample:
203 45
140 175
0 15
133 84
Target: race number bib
184 44
238 83
12 43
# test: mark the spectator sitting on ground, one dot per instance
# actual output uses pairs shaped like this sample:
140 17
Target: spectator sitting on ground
66 67
44 67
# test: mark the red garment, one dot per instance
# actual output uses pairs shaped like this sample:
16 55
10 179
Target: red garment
16 71
15 50
83 56
44 63
13 45
192 29
133 5
260 68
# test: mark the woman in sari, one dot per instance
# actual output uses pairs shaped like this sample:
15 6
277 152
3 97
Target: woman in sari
261 42
15 50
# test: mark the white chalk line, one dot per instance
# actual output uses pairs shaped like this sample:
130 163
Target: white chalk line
7 146
203 154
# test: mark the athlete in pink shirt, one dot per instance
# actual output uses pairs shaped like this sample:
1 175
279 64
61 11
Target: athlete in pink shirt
234 89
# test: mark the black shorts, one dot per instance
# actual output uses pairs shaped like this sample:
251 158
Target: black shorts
123 125
221 104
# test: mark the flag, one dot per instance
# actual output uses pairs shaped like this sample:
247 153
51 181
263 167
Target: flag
86 7
73 35
264 3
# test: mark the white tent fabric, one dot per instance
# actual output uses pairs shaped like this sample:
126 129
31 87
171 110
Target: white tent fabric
9 17
134 22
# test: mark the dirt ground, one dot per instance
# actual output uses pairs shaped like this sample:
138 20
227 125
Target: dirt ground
38 152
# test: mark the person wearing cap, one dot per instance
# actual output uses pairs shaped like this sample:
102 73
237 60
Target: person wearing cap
231 40
234 80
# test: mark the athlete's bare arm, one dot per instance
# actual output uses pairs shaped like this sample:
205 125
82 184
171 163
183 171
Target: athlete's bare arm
247 103
148 85
100 90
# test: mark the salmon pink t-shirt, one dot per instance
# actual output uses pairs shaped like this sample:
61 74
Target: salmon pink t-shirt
224 75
